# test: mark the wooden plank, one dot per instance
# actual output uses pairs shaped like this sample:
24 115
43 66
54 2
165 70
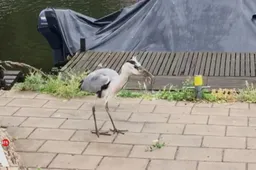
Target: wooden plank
178 65
205 68
232 64
242 64
114 59
247 65
147 59
160 64
193 64
237 70
94 61
183 64
109 58
86 66
154 63
252 62
84 60
174 63
198 63
166 57
124 58
120 57
143 57
169 63
227 64
72 61
98 61
188 64
213 63
217 65
151 60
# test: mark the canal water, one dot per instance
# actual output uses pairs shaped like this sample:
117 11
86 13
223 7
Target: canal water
20 40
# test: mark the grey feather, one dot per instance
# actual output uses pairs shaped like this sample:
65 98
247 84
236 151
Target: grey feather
98 78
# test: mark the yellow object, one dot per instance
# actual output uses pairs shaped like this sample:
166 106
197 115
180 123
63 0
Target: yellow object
198 80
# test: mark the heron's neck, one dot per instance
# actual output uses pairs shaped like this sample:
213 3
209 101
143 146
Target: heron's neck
123 79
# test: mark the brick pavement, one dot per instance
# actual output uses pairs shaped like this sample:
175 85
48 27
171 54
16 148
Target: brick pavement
55 134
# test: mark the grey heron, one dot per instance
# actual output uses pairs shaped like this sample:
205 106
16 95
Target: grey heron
106 83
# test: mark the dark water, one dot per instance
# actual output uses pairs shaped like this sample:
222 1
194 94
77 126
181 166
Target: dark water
19 38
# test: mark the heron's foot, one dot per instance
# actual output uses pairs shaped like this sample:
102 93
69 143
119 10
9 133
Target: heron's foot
98 133
118 131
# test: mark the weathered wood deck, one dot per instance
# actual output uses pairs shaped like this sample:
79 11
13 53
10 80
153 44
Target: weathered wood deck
225 70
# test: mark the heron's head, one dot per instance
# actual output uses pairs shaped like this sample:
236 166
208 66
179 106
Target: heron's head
132 66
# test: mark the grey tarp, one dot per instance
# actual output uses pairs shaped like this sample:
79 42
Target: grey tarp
165 25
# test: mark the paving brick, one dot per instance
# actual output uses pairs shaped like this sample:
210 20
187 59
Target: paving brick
107 149
63 147
166 152
172 109
99 106
210 111
4 101
223 142
115 116
7 111
181 140
129 100
18 94
158 102
163 128
47 97
81 124
75 161
206 105
42 122
87 136
221 166
11 121
241 131
35 112
188 119
172 165
136 108
36 159
239 155
2 92
51 134
146 117
73 114
252 106
251 166
64 104
136 138
235 105
228 120
252 121
27 145
199 154
251 143
19 132
130 126
242 113
27 103
122 164
185 104
210 130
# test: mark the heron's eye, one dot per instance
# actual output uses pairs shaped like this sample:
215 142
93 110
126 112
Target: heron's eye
136 67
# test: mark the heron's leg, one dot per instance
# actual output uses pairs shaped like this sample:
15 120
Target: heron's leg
115 130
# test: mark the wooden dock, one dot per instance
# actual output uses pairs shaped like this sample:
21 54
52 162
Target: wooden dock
224 70
9 77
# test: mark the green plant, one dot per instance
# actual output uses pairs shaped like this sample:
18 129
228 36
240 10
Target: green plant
130 94
156 144
248 94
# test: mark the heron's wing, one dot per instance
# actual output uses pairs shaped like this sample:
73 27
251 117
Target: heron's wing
94 81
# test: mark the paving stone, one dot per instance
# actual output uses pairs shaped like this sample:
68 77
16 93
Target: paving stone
181 140
47 97
122 116
221 166
239 155
172 165
241 131
206 105
63 147
75 161
99 106
107 149
235 105
130 126
228 120
166 152
35 112
42 122
253 106
136 138
146 108
242 113
163 128
252 121
28 145
251 166
112 163
27 102
4 101
87 136
188 119
158 102
251 143
63 104
146 117
52 134
129 100
18 94
2 92
81 124
199 154
211 130
185 104
19 132
224 142
7 111
73 114
172 109
11 121
36 159
210 111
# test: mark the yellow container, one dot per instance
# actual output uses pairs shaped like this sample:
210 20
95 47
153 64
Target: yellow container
198 80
